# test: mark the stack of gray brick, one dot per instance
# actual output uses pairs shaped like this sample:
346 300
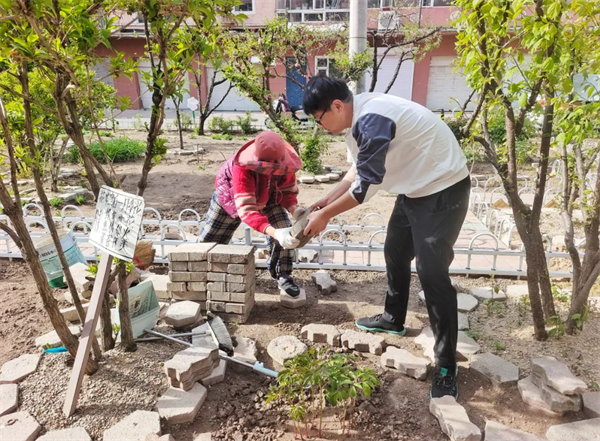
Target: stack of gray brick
188 270
231 282
190 366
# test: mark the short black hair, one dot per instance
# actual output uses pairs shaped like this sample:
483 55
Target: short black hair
321 91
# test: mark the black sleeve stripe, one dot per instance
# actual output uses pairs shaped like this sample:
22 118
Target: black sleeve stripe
373 134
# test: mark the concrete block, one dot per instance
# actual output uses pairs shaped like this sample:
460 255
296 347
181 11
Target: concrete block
533 396
466 346
237 287
192 364
466 302
196 252
19 426
195 296
70 313
161 285
134 427
238 278
217 277
453 419
214 306
240 308
499 432
176 286
324 282
218 296
292 302
322 178
231 254
586 430
197 276
10 398
241 297
333 176
557 375
182 314
284 348
363 342
405 362
591 404
176 276
19 368
242 269
218 267
487 293
70 434
177 406
198 266
319 333
306 179
558 402
197 286
216 286
217 375
178 266
499 371
51 339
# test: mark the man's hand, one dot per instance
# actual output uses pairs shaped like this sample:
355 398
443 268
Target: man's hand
317 222
285 239
322 203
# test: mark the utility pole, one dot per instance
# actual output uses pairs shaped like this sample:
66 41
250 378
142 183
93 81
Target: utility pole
358 37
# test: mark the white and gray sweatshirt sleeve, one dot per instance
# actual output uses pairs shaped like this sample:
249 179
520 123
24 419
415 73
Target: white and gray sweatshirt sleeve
373 134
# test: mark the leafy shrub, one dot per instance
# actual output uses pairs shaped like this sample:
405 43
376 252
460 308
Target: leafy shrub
456 125
56 202
314 146
118 150
219 124
225 137
245 123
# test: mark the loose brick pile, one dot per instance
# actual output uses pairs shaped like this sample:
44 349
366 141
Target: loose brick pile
231 282
190 366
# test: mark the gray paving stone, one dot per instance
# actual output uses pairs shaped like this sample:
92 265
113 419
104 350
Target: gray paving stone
19 368
182 314
405 362
284 348
517 291
231 254
466 346
70 434
198 267
533 396
557 375
292 302
196 252
466 302
426 340
322 178
306 179
52 339
217 375
19 426
499 371
499 432
70 313
320 333
591 404
487 293
586 430
333 176
557 401
10 398
80 274
454 420
363 342
205 340
134 427
324 282
178 266
177 406
463 321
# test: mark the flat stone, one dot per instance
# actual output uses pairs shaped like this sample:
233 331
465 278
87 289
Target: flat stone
292 302
557 375
192 364
70 314
182 314
319 333
453 419
426 340
195 252
405 362
10 398
558 402
534 396
79 271
517 291
231 254
70 434
205 340
499 371
134 427
177 406
463 321
19 426
591 404
307 255
499 432
466 346
19 368
284 348
324 282
586 430
51 339
487 293
466 302
333 176
217 375
306 179
245 350
322 178
363 342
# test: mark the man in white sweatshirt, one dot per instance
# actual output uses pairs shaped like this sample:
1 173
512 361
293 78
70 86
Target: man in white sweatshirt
403 148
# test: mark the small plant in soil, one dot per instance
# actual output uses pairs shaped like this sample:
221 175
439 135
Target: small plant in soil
56 202
559 294
498 346
494 308
557 327
315 380
80 200
225 137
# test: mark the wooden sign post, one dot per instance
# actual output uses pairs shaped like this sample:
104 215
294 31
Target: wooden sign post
115 231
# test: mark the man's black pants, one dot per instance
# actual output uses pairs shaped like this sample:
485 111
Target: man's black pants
427 228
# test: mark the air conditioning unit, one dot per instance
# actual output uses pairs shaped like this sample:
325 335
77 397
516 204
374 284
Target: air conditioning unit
388 20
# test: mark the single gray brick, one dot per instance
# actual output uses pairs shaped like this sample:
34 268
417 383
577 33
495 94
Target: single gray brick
238 278
231 254
197 266
211 305
196 252
241 269
176 286
197 286
241 297
189 295
216 286
217 277
218 296
217 267
197 276
240 308
177 276
178 266
237 287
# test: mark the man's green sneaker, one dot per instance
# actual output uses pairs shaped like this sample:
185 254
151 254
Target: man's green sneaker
378 324
444 382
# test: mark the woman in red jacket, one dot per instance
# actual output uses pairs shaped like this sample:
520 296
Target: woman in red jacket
256 186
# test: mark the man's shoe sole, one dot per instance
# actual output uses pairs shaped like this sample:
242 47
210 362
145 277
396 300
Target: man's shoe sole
365 328
455 396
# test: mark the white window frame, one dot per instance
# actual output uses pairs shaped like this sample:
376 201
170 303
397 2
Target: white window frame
429 4
235 10
317 69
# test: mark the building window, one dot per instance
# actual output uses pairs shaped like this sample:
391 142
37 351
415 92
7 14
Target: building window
246 6
326 66
438 2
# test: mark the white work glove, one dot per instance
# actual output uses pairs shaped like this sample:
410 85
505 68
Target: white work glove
285 239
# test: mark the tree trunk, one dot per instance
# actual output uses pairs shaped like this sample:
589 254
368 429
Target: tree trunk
201 123
127 340
179 129
108 340
55 163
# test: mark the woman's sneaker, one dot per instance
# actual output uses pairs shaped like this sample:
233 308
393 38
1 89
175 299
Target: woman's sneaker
378 324
288 285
